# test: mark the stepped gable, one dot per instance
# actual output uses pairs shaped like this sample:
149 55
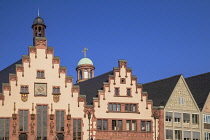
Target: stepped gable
199 86
4 74
90 87
160 91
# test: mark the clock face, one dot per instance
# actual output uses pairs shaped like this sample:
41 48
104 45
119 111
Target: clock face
40 89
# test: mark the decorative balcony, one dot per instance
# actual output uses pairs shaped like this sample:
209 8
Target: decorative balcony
167 123
195 125
177 124
186 124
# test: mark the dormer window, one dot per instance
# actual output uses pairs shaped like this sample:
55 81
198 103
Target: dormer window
24 89
40 74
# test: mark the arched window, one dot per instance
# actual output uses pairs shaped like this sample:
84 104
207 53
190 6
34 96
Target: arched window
39 31
86 74
91 74
80 74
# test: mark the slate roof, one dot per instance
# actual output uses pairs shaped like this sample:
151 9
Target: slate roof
90 87
4 74
199 86
160 91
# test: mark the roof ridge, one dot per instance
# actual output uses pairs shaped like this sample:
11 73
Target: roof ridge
10 65
94 77
197 75
163 79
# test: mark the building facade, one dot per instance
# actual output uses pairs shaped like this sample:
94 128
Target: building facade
38 100
179 113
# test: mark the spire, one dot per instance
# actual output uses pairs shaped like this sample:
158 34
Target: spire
38 12
85 50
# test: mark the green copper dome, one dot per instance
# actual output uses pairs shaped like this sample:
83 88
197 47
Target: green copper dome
85 61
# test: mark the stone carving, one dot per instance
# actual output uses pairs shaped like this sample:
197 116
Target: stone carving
68 127
51 126
32 123
41 42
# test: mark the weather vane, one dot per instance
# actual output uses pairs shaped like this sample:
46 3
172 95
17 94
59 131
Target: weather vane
85 50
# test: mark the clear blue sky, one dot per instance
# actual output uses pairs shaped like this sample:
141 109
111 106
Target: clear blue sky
158 38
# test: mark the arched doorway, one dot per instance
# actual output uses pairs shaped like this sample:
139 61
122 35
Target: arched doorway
60 136
23 136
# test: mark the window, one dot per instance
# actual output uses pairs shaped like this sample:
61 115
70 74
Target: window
80 74
116 91
207 135
130 107
122 81
195 118
114 107
4 128
77 129
168 116
128 92
85 74
91 74
181 100
102 124
42 122
178 134
187 135
23 120
117 125
40 74
206 118
169 134
177 117
196 135
56 89
24 89
131 125
59 120
145 125
186 118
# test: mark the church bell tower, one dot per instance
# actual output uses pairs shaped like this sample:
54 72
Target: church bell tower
38 27
85 68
